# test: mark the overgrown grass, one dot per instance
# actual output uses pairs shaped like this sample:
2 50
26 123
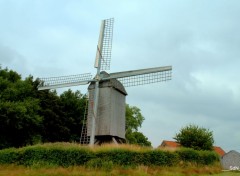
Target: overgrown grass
13 170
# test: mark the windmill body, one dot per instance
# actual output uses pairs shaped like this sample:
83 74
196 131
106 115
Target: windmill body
111 111
107 94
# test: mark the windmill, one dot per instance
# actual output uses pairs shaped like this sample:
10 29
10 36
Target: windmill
106 107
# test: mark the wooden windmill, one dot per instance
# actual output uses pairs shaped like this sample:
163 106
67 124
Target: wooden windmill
106 108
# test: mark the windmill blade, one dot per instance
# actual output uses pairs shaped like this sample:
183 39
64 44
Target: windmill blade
142 76
65 81
104 49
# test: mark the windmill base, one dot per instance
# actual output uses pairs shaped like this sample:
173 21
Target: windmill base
99 140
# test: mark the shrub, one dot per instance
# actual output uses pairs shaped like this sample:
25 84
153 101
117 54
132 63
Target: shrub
118 156
70 155
195 137
198 157
162 158
208 157
188 155
9 156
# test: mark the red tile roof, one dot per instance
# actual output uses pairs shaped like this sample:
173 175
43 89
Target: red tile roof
169 144
174 144
219 150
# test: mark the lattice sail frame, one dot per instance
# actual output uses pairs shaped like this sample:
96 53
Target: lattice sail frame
64 81
104 49
146 78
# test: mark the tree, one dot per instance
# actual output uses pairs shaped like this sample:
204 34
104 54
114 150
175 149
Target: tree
138 138
54 120
134 120
74 107
195 137
19 118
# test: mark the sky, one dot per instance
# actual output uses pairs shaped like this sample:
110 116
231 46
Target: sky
200 39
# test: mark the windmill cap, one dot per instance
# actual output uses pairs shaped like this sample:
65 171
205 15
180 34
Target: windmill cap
114 83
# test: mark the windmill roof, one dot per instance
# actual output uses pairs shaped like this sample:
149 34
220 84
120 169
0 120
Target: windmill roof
109 83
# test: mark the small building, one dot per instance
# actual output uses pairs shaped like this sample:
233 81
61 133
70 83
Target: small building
231 160
219 150
111 110
174 145
169 144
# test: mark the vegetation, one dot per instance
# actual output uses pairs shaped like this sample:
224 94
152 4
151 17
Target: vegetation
14 170
29 116
67 154
18 110
73 159
134 120
195 137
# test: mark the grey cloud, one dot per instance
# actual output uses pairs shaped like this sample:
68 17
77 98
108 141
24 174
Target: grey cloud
7 55
11 59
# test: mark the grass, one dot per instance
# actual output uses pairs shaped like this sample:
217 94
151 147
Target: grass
95 148
13 170
228 174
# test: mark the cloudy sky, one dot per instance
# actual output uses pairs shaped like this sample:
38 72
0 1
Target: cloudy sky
199 38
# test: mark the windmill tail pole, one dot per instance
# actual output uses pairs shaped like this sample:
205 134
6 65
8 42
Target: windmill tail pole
96 95
97 78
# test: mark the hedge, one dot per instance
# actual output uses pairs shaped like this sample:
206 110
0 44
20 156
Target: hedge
196 156
65 156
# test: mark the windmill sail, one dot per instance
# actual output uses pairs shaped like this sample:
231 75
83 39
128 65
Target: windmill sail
142 76
65 81
104 49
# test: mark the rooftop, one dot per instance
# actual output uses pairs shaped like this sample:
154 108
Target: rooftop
174 144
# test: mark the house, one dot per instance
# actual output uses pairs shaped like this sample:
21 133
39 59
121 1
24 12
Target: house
174 145
231 160
169 144
219 150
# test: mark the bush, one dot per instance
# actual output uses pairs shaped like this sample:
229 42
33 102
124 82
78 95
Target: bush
122 157
188 155
195 137
208 157
197 157
9 156
162 158
57 155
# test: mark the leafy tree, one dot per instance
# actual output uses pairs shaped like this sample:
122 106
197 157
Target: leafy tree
62 115
54 128
19 119
195 137
134 120
74 104
138 138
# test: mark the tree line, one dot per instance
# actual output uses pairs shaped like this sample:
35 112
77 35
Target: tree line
29 116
